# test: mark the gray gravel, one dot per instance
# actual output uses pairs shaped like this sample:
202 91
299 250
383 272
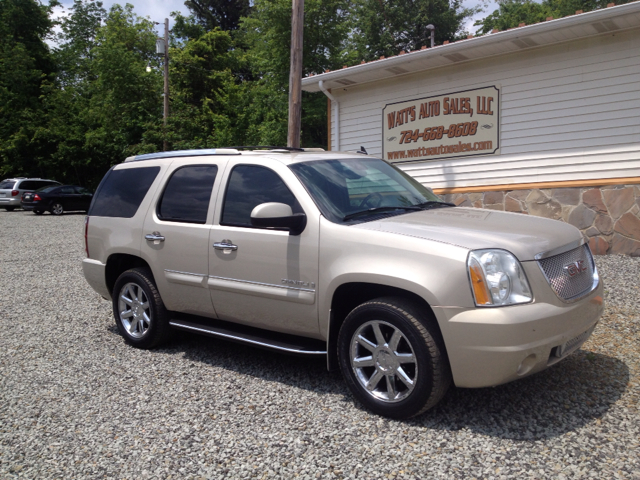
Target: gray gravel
76 402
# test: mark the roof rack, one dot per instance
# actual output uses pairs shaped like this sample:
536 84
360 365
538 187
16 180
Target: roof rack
183 153
272 147
269 147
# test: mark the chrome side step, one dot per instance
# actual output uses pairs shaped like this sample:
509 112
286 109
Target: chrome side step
253 336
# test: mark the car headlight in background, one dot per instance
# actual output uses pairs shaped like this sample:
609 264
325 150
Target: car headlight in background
497 278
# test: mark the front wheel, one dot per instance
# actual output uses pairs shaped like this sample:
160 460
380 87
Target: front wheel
57 209
392 357
140 314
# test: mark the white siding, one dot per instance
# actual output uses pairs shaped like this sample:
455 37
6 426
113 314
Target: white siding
567 112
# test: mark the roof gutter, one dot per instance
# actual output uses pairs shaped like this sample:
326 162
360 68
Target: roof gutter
336 112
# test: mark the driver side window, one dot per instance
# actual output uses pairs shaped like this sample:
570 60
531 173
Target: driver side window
248 187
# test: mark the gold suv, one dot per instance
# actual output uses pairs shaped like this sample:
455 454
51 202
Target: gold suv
341 255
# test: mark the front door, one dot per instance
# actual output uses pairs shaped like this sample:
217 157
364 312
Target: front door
263 277
176 237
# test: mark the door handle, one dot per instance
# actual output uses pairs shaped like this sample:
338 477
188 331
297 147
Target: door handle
154 237
226 246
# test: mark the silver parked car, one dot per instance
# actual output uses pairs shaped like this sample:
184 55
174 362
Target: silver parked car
342 255
12 189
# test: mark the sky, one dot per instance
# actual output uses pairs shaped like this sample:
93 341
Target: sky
158 10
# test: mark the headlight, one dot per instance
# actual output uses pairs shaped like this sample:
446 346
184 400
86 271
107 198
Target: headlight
497 278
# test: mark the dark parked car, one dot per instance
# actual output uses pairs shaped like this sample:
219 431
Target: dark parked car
57 199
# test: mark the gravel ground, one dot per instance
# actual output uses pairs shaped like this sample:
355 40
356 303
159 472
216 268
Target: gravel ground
76 402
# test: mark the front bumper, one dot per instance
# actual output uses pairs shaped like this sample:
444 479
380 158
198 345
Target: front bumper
492 346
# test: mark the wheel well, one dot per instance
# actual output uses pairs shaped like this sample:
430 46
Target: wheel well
121 262
350 295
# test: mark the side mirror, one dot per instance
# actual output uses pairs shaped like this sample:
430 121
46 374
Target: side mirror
278 215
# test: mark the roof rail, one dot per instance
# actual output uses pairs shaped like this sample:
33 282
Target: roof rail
183 153
268 147
273 147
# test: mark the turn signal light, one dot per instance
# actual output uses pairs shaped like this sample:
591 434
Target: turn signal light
480 290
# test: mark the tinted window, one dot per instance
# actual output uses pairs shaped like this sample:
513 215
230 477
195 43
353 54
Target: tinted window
53 188
121 192
7 184
28 185
249 186
82 190
187 194
67 190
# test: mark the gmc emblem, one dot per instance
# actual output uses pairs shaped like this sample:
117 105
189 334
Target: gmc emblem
574 268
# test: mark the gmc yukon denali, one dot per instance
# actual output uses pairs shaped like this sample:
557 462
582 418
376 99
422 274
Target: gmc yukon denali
341 255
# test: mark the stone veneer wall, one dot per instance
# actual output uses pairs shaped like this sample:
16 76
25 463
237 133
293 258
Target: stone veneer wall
608 216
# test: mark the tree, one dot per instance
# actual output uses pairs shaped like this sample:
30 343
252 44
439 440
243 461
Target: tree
266 35
103 100
224 14
512 13
386 27
26 70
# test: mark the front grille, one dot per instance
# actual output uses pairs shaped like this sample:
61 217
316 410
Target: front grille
570 274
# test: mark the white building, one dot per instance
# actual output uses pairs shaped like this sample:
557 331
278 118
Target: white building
542 119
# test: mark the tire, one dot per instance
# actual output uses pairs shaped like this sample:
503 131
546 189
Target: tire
57 209
392 357
9 209
140 314
38 212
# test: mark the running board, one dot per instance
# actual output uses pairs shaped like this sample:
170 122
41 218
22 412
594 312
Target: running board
253 336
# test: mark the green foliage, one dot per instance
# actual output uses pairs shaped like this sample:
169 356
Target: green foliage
385 27
223 14
26 70
71 113
512 13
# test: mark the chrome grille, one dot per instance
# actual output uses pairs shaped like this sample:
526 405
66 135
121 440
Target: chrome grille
570 274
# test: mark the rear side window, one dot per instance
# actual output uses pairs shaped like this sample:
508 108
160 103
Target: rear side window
187 194
121 192
248 187
29 185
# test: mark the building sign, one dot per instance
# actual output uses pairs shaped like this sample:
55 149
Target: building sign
454 125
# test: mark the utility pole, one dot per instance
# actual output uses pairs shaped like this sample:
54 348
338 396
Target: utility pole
165 144
295 74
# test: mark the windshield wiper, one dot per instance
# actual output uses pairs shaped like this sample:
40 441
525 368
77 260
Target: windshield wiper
434 203
378 210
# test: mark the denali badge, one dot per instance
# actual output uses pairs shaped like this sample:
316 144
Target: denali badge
298 283
574 268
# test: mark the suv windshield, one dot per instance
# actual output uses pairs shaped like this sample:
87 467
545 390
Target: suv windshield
360 189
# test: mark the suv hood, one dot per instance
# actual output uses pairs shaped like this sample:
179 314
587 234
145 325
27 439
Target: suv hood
474 228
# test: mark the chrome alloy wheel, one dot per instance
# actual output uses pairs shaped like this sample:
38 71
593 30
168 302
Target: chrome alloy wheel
135 313
383 361
57 209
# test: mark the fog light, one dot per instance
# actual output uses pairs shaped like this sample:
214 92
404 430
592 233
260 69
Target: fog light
527 364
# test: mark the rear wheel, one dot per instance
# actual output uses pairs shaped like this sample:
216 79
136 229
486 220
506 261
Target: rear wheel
392 357
57 209
140 314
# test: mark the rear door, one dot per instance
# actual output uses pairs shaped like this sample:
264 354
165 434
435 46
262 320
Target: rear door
68 197
176 234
